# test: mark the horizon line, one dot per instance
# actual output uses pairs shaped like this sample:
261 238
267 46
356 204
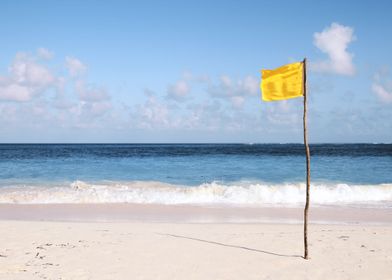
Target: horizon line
192 143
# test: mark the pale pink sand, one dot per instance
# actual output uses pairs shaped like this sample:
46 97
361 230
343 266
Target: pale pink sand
175 249
192 213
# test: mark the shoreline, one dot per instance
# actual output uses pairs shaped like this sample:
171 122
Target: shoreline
153 213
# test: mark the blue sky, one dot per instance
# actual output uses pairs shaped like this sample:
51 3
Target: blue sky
182 71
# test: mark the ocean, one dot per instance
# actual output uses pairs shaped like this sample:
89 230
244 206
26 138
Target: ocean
210 174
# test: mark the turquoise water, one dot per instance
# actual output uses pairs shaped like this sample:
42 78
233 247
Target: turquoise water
226 172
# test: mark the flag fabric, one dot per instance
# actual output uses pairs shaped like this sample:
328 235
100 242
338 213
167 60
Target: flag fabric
282 83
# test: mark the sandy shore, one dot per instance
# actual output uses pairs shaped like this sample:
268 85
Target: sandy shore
179 249
128 212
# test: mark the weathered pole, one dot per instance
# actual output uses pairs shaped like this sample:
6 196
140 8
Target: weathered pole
306 210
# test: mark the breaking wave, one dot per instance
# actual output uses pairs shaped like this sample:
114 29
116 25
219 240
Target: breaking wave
241 193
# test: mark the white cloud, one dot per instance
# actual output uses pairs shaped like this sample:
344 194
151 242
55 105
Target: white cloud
283 113
15 92
25 70
226 82
382 93
204 115
334 41
90 93
44 54
382 87
26 78
93 102
251 85
229 88
207 115
187 76
43 98
234 91
152 114
92 110
237 101
178 91
75 66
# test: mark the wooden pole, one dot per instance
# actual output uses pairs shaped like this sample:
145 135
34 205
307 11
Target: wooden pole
306 210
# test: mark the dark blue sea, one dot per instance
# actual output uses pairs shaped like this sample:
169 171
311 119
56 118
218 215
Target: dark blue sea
241 174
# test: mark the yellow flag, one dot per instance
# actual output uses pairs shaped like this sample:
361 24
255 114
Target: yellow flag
282 83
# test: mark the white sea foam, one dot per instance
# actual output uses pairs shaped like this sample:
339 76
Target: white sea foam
241 193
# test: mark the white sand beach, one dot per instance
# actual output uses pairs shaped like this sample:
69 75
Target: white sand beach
172 248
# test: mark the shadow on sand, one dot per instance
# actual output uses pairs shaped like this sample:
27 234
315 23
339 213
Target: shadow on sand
232 246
